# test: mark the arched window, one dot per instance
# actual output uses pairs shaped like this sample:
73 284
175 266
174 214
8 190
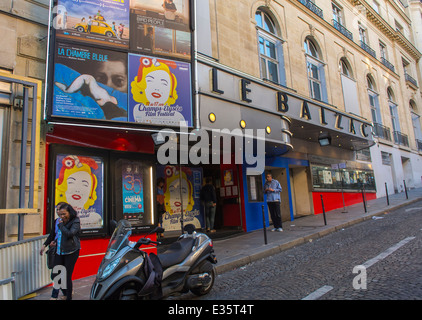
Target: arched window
310 48
270 48
265 22
416 122
315 69
412 106
393 113
370 83
349 87
344 67
373 101
390 94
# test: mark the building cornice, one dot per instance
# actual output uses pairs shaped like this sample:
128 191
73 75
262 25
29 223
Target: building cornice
387 29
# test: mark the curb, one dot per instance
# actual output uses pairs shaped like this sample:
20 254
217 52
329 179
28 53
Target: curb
241 259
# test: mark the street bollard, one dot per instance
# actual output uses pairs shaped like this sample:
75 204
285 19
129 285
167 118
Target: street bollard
405 189
323 210
265 227
363 197
386 193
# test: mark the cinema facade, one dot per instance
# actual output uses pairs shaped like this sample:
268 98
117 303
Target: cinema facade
278 67
302 142
324 96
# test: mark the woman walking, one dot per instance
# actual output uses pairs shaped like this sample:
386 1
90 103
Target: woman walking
66 235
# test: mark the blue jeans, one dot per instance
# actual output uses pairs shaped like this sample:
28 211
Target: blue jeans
209 214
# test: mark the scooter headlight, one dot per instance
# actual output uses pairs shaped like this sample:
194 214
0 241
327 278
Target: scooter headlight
109 269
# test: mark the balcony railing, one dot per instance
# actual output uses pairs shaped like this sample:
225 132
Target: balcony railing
419 144
410 79
401 138
368 49
342 29
313 7
387 63
382 131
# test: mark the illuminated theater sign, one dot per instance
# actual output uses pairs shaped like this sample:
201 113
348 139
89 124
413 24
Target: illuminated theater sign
224 84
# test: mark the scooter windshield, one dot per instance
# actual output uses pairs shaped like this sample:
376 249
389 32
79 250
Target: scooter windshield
119 239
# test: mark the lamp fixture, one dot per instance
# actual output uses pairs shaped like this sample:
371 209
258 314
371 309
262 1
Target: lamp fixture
324 139
212 117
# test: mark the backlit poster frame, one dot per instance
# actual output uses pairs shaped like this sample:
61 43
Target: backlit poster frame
89 83
161 27
79 177
190 191
160 91
133 184
98 22
72 64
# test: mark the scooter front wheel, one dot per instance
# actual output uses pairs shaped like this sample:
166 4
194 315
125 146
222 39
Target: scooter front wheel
205 267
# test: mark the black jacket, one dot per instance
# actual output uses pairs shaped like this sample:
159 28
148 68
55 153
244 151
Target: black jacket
208 193
70 235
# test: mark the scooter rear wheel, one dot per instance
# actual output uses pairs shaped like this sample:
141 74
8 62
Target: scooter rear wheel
206 266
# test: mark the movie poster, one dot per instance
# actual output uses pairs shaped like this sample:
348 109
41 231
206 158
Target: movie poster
161 27
133 191
90 83
79 182
101 22
181 188
160 91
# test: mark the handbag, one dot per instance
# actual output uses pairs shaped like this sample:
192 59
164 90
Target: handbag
51 253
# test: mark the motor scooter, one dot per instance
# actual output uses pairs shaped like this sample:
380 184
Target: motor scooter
129 273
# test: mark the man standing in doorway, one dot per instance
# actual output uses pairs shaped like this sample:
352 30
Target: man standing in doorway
272 189
209 199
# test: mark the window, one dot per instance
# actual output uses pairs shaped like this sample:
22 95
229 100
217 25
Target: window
376 6
345 68
349 87
362 34
399 27
383 50
315 70
386 158
337 14
416 122
270 49
393 111
373 101
405 65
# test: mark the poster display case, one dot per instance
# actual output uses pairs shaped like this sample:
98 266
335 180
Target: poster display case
332 178
102 185
126 62
133 183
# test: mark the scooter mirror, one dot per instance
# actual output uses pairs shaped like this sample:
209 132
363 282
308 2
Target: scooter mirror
113 225
189 228
159 230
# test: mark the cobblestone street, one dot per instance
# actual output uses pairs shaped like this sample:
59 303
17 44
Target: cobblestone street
328 262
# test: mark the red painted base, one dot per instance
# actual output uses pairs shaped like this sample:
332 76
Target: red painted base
92 253
333 200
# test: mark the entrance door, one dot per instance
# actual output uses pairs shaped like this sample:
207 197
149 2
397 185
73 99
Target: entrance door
301 191
408 172
226 183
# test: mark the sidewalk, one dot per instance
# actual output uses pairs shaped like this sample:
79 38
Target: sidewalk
245 248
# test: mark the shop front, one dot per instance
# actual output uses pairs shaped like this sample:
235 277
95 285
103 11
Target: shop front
114 81
105 175
308 146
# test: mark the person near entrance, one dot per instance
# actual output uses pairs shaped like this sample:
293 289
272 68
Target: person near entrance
161 208
209 199
272 189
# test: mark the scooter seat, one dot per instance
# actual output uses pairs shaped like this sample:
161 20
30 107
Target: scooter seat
176 253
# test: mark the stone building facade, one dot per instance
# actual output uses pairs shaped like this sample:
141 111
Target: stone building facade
302 68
